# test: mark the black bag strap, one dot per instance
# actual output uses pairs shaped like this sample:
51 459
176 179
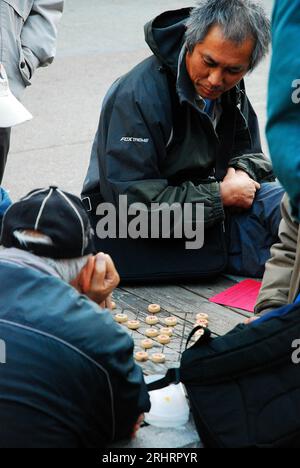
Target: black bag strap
204 339
91 201
171 377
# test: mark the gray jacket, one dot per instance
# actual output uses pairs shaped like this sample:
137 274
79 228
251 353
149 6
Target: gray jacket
281 283
28 33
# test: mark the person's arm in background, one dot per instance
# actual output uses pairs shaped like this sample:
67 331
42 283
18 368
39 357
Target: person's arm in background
283 128
39 33
279 269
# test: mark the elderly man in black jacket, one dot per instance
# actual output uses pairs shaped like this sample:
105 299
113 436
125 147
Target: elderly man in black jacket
179 127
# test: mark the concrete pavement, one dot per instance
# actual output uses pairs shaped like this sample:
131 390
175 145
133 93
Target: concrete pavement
98 42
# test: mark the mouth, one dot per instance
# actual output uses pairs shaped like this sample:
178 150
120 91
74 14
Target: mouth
209 92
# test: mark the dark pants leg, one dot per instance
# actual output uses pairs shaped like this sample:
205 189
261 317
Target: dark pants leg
251 234
4 148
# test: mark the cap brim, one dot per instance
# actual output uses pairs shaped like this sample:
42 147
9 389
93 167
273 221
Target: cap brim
12 112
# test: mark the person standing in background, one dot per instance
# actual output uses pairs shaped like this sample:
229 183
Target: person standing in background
281 283
284 100
28 34
12 113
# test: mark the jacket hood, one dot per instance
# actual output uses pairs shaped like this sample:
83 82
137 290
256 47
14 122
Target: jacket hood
165 36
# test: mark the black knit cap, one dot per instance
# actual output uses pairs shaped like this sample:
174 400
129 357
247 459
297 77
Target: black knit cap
56 214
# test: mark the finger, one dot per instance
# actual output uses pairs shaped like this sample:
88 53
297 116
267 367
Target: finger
138 424
99 272
251 320
109 302
257 185
86 275
112 277
231 172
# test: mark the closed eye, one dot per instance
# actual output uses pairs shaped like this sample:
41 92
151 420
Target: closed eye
210 64
233 71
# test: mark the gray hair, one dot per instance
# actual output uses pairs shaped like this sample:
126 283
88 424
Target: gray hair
67 269
239 20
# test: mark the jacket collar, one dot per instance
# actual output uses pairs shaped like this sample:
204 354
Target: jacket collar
26 259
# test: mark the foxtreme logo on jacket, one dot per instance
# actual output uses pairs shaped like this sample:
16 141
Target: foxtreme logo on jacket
134 140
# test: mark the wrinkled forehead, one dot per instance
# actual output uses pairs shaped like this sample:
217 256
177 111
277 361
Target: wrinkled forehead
225 51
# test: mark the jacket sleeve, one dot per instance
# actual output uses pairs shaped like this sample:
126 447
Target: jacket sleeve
39 33
284 99
248 155
277 279
131 398
131 147
122 397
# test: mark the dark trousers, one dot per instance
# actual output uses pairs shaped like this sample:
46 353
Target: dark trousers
4 148
251 234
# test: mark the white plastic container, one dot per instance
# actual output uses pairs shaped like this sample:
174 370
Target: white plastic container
169 407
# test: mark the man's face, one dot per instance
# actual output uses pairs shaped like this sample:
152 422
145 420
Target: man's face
216 65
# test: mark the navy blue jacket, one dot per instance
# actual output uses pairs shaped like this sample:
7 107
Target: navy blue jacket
70 379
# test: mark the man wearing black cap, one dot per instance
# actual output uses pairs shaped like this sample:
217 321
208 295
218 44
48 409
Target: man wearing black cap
69 379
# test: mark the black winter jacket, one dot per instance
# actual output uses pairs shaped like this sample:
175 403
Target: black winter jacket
155 145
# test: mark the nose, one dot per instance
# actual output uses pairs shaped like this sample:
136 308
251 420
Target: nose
216 79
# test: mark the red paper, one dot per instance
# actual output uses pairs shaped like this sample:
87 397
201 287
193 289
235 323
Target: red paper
242 296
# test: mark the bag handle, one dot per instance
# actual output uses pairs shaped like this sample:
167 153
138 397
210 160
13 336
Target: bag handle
204 339
171 377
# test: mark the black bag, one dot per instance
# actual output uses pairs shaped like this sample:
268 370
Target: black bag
164 260
244 388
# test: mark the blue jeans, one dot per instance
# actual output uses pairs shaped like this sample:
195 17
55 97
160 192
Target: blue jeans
251 234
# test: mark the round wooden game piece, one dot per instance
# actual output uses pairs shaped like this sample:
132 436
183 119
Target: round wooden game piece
202 316
154 308
152 332
147 344
151 320
113 305
158 358
163 339
121 318
133 324
141 356
166 331
171 321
